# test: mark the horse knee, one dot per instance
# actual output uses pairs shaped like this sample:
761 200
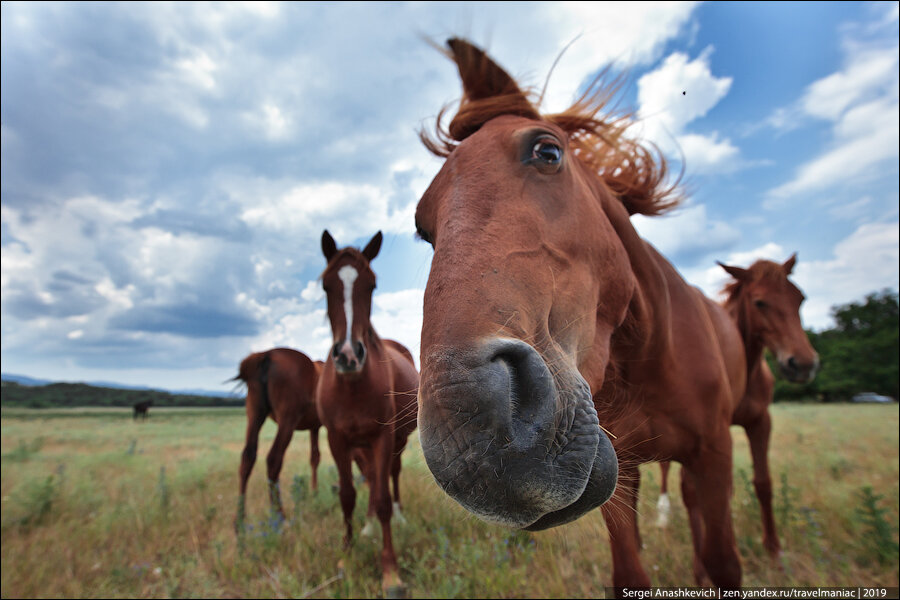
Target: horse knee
249 453
763 487
273 462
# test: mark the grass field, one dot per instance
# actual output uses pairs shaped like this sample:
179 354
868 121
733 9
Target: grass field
96 505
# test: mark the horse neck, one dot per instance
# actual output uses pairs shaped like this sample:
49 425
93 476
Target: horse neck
738 307
647 324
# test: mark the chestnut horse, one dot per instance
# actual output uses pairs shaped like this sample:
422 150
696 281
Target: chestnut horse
281 383
765 305
367 395
548 320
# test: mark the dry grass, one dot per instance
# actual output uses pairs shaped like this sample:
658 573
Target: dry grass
95 505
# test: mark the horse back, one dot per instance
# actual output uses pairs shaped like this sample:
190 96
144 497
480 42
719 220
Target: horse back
282 382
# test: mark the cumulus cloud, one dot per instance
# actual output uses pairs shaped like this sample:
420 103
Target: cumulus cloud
866 261
861 103
687 234
677 93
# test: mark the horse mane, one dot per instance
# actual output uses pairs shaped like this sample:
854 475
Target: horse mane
633 171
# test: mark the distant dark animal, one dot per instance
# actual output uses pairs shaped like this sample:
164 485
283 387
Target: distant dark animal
765 306
366 397
281 384
546 316
142 409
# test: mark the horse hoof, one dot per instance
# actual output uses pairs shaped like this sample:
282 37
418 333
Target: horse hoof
368 530
396 591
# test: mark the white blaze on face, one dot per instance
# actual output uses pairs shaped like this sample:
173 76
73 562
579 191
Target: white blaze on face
348 276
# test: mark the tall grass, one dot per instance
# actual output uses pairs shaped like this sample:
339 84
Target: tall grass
96 505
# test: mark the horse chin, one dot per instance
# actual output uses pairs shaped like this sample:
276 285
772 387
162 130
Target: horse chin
349 374
599 489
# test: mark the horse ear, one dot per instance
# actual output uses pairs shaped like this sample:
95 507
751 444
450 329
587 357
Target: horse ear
788 266
481 76
329 247
736 272
372 248
483 79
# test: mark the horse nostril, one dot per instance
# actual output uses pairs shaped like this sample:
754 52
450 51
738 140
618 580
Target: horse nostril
793 364
336 351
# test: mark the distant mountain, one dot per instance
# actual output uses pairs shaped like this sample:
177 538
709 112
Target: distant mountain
23 380
31 381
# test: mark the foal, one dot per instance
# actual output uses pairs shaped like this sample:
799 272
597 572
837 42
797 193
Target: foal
367 394
281 383
765 306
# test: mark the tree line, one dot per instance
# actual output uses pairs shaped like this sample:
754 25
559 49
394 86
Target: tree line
57 395
859 354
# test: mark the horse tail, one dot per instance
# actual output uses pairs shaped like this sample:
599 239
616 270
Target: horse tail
254 371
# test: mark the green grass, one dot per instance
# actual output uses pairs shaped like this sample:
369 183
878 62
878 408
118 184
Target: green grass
96 505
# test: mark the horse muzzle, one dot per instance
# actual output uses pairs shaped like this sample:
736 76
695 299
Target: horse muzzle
510 441
799 370
349 358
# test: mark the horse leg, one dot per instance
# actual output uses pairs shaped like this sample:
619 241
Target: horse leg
621 522
256 416
396 465
663 506
346 492
695 518
274 460
710 473
314 456
758 432
365 467
383 451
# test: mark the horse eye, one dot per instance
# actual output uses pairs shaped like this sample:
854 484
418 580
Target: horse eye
760 304
424 235
546 152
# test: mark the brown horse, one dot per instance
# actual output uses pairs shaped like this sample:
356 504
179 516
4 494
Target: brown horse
142 409
547 316
367 395
281 383
765 306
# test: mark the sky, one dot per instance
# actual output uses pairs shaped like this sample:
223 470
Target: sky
168 168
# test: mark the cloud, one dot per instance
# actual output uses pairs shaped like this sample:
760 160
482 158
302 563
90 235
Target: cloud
398 315
860 102
687 234
675 94
866 261
601 33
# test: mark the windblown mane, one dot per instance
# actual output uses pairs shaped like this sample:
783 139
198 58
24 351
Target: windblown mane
634 172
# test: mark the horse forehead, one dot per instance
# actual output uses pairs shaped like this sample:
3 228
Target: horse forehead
500 130
777 285
465 163
348 275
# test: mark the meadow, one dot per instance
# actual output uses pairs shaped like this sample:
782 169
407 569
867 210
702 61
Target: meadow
97 505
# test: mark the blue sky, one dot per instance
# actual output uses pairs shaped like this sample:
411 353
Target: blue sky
168 168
